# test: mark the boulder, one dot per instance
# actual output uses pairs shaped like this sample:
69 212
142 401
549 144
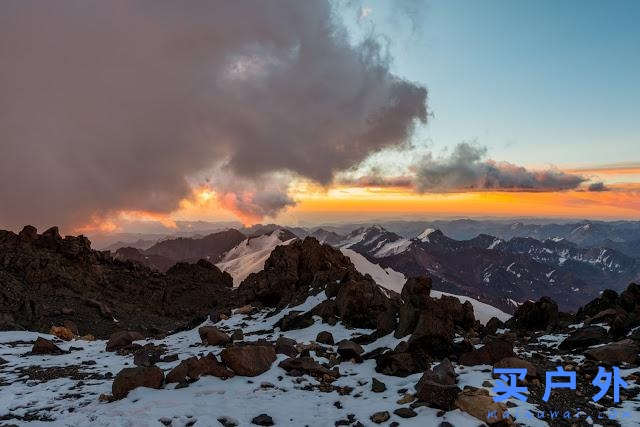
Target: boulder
262 420
249 360
400 364
443 373
61 332
194 367
380 417
478 403
131 378
513 362
306 365
148 355
437 386
122 339
493 325
615 353
585 337
617 319
210 335
44 346
286 346
378 386
237 335
295 320
433 333
440 396
350 350
488 354
325 337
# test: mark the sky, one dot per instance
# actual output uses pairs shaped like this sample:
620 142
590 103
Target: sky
119 113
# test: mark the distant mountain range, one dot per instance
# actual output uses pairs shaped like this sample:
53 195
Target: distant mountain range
500 272
502 264
231 250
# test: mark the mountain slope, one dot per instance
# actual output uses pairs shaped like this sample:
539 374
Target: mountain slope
250 254
394 281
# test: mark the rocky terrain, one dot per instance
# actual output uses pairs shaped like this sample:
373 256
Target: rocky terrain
307 340
48 280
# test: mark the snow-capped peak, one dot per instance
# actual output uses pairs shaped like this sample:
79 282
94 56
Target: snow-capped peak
424 236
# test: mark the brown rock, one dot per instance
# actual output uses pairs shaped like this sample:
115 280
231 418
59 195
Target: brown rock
584 338
622 351
443 373
193 368
380 417
350 350
210 335
306 365
437 386
514 362
535 316
400 364
249 360
131 378
44 346
488 354
286 346
122 339
62 333
325 337
479 404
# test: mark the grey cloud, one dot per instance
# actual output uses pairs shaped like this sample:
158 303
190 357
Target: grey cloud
466 168
111 105
598 186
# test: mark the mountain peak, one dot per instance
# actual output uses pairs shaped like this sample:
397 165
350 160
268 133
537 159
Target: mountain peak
424 236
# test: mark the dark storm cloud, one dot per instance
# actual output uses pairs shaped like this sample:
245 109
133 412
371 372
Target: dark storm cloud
110 105
466 168
598 186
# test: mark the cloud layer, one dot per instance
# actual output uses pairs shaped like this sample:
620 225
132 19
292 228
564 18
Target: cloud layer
466 168
111 106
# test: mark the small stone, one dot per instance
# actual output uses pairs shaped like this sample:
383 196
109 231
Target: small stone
378 386
237 335
380 417
406 398
165 421
405 412
227 422
262 420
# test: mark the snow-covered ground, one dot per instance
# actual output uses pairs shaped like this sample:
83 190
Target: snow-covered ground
250 255
69 402
73 402
393 280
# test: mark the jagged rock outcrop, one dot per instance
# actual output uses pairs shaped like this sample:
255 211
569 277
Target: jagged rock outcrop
295 271
620 312
46 280
535 316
